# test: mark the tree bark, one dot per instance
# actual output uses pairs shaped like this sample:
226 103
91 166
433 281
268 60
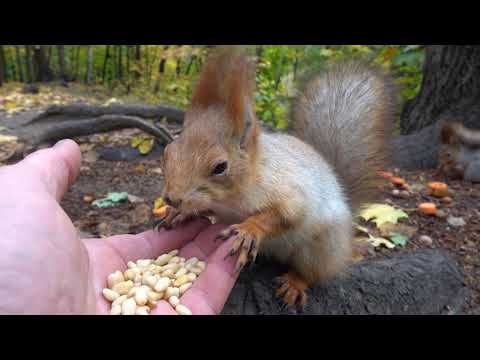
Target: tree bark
138 59
77 61
61 62
120 63
30 71
2 65
105 62
88 77
425 282
44 73
451 80
18 57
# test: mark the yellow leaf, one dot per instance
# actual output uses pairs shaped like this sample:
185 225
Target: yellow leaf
10 105
137 140
378 241
7 138
146 146
381 214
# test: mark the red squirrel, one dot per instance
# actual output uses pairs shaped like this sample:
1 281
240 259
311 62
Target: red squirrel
459 155
291 197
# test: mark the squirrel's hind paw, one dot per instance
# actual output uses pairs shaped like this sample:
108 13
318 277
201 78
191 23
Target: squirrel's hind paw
292 290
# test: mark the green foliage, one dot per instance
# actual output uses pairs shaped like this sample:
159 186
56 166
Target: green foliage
280 67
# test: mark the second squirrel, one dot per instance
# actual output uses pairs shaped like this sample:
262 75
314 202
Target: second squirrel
289 197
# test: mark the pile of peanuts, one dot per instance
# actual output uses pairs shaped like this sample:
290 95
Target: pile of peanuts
137 290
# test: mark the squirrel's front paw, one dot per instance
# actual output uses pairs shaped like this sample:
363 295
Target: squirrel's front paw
171 219
246 241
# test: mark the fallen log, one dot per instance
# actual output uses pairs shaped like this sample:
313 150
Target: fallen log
103 123
79 111
422 282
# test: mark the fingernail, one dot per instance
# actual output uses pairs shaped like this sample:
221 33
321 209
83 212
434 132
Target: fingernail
59 143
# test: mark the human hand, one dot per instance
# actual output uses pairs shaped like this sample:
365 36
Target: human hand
46 269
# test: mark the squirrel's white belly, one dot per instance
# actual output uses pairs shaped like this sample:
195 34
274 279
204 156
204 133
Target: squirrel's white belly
294 168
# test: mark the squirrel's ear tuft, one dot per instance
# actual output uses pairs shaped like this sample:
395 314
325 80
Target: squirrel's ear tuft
227 80
239 105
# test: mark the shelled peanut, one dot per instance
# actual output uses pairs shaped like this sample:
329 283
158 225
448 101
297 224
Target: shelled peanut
137 290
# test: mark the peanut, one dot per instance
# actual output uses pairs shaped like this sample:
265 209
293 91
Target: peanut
119 300
154 296
131 265
110 295
182 280
116 310
173 253
115 278
173 267
123 287
182 310
202 265
192 261
168 273
195 270
162 284
163 259
151 280
172 291
142 310
174 301
130 274
180 272
129 307
174 260
143 263
182 289
191 277
141 297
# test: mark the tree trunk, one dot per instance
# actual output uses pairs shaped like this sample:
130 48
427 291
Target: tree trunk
120 64
88 77
2 65
61 62
77 61
19 63
105 62
163 61
44 73
30 71
138 59
451 83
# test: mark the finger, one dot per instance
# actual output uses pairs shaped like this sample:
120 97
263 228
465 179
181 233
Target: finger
204 243
151 244
163 308
53 169
210 291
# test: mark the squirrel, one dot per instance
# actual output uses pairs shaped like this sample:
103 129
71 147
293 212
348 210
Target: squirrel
459 154
291 196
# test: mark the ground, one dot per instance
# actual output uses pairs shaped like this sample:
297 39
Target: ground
142 178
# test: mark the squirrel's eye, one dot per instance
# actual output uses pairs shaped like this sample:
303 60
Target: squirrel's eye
220 169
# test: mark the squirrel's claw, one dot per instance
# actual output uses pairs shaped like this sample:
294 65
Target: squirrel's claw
292 290
244 242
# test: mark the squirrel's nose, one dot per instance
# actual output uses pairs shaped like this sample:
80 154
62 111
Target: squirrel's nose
172 202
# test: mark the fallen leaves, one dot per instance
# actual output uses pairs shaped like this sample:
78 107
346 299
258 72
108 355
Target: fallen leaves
112 199
382 213
143 144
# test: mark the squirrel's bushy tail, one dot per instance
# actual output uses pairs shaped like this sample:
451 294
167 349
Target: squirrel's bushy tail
346 113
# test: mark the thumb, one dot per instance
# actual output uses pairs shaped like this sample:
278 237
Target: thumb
55 168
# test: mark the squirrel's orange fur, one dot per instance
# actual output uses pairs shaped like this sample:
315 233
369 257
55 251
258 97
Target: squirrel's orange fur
290 197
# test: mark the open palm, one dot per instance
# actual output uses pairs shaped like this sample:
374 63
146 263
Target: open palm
46 269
